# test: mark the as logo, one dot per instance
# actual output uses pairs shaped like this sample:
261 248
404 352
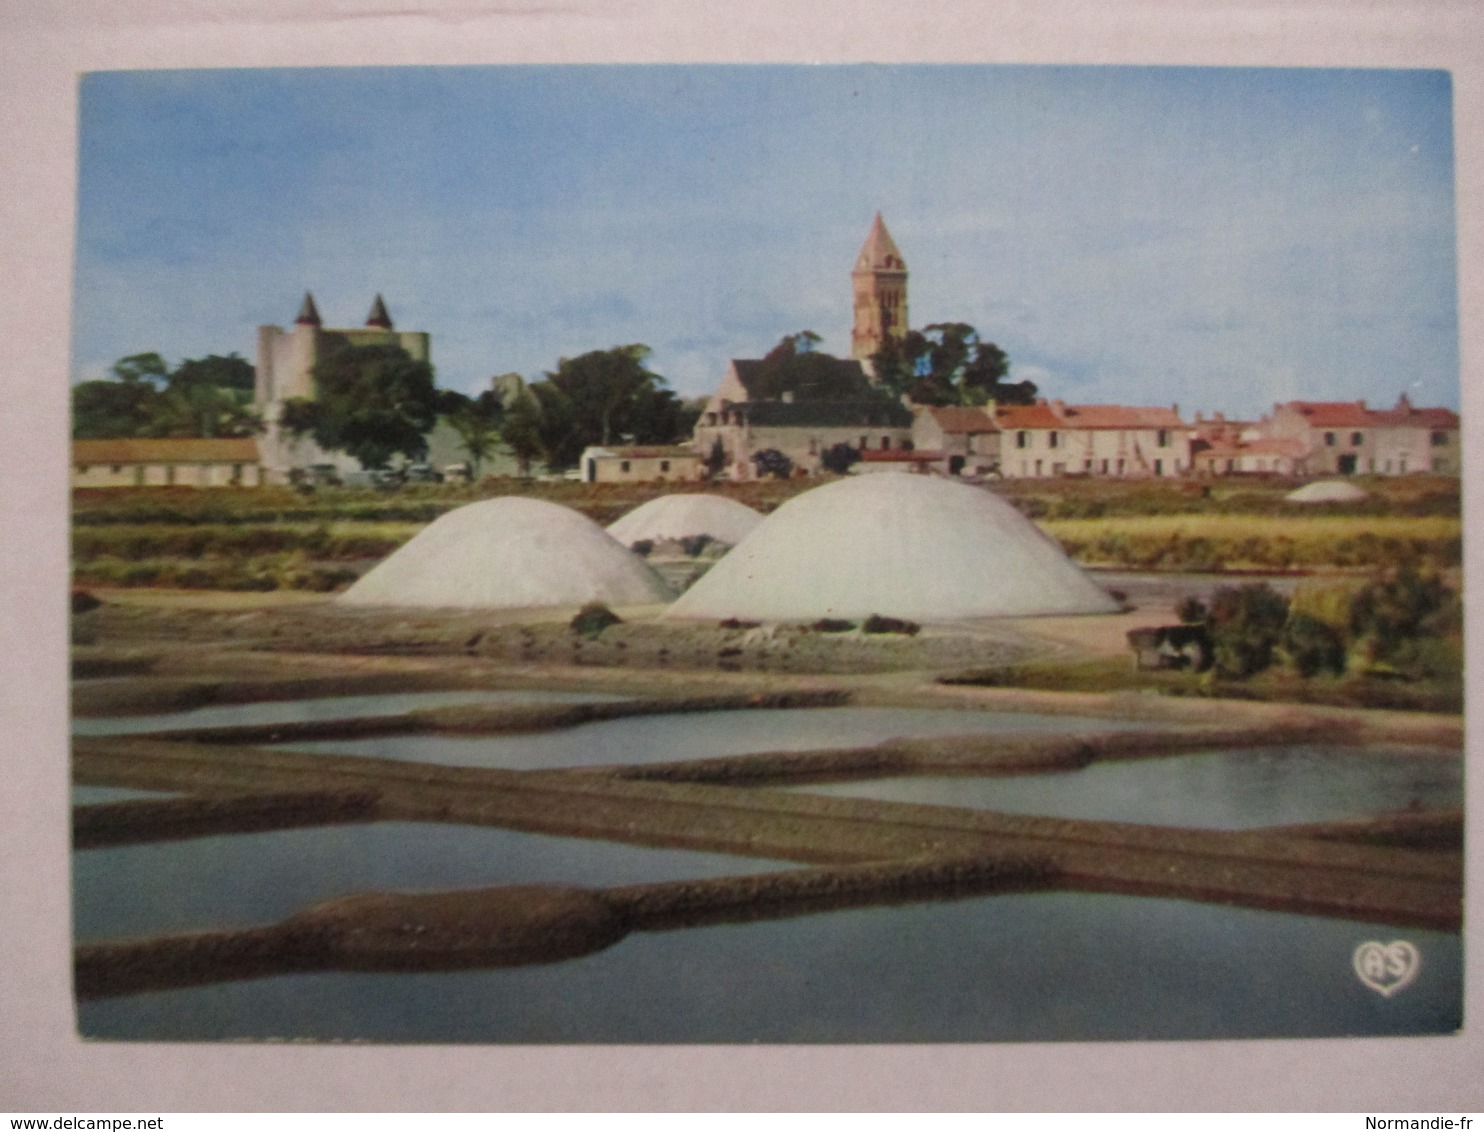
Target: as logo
1386 967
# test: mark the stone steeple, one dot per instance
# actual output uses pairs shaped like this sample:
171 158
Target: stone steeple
308 313
378 315
879 286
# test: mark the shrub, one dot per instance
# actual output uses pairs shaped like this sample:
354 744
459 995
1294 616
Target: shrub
771 462
1246 625
593 618
643 547
1312 646
878 624
1409 622
832 625
839 458
1192 611
694 544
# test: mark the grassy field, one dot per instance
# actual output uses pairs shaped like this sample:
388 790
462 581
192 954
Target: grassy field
1207 543
278 537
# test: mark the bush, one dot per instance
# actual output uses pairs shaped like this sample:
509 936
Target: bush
1192 611
832 625
839 458
771 462
878 624
1312 646
1246 625
593 618
1409 622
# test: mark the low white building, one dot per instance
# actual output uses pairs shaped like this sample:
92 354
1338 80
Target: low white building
166 463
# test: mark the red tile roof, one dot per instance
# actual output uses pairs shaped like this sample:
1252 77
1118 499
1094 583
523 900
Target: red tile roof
1027 416
165 451
1332 414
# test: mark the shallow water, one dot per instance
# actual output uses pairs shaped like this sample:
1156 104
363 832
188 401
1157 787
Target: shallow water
325 707
699 735
257 878
1027 967
89 795
1221 790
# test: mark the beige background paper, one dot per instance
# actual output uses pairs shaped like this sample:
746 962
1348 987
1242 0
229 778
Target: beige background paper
45 45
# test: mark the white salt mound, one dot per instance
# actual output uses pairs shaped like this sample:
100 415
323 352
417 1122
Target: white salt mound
510 553
686 516
915 547
1327 491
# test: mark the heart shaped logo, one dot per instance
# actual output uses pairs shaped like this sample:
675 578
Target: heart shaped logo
1386 967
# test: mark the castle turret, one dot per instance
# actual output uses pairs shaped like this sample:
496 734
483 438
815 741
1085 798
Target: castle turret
308 313
378 315
879 283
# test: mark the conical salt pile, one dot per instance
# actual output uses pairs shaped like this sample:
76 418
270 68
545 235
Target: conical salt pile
510 553
1327 491
906 546
687 516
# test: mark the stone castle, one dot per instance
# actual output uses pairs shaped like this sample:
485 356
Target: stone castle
285 370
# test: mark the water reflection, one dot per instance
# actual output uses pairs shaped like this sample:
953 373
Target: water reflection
325 707
1027 967
257 878
1222 790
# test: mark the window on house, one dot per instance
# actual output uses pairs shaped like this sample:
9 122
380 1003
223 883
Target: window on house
1439 439
1038 467
1159 467
1022 440
116 468
82 469
1163 439
1051 440
865 443
1105 467
1357 439
623 466
664 465
1329 439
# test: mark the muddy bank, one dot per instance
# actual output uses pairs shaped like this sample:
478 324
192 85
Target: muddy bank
175 819
497 720
1258 868
517 925
545 637
979 755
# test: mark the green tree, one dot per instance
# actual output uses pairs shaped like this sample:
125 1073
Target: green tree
210 396
202 397
946 363
477 420
371 402
796 365
521 430
102 409
604 397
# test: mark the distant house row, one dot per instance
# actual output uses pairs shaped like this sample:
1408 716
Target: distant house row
1044 440
1041 440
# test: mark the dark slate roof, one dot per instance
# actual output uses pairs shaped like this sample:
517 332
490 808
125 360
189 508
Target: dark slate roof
875 412
845 373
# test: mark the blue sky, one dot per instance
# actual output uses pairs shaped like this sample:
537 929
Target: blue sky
1220 238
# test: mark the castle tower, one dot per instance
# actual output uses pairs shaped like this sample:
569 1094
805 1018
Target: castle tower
879 283
285 370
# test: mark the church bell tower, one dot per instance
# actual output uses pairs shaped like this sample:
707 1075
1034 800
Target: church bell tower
879 283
